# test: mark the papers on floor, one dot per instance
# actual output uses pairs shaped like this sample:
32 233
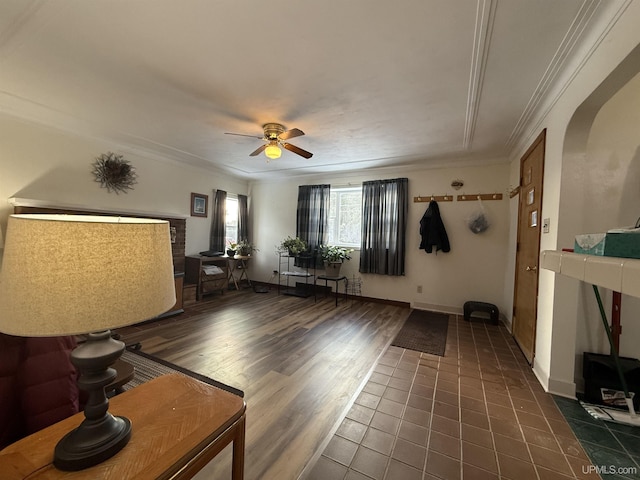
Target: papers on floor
624 230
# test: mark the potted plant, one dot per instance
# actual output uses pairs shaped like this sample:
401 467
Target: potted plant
244 248
294 246
333 257
231 249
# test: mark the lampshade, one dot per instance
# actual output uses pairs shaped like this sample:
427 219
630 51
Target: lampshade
68 274
75 274
273 151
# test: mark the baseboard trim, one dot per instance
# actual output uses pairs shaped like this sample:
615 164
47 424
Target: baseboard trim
555 387
437 308
321 289
562 388
385 301
453 310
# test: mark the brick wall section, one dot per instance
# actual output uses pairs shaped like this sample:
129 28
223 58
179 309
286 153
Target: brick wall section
178 248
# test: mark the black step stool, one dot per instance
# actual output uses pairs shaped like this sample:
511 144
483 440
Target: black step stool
491 309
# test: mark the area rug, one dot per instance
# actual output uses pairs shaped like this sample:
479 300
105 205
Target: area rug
424 331
147 367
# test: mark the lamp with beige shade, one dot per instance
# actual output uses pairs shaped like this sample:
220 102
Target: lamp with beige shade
80 274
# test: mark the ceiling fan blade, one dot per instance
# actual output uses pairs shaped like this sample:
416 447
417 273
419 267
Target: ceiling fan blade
258 150
297 150
243 135
294 132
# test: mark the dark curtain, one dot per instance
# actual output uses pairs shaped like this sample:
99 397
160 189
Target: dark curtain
385 205
217 238
312 218
243 218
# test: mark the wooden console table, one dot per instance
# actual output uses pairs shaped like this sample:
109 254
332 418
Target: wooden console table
194 274
179 425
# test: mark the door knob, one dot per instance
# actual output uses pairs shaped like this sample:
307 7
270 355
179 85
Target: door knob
532 269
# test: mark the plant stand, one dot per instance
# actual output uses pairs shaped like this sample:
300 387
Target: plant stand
336 280
303 290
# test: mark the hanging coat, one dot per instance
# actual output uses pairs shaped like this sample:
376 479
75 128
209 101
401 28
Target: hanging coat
432 230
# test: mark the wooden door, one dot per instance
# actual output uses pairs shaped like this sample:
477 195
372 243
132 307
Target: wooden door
528 247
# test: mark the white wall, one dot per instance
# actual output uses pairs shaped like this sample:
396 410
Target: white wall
611 196
567 118
47 165
53 167
473 270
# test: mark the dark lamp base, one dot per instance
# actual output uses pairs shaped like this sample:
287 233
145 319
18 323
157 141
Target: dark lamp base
89 445
100 435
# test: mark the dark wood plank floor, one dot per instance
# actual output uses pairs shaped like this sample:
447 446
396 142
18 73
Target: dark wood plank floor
300 363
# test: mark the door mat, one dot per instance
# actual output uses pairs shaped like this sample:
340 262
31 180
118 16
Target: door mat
147 367
424 331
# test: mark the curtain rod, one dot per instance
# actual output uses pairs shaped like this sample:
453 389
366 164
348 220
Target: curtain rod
346 184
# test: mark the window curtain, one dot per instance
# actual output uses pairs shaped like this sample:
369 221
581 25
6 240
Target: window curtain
385 205
217 238
312 219
243 218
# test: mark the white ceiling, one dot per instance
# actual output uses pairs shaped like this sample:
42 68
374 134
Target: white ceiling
371 83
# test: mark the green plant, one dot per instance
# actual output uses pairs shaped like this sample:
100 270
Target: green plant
294 246
332 253
244 248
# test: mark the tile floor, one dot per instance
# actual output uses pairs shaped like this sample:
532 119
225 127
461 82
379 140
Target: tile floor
476 413
606 443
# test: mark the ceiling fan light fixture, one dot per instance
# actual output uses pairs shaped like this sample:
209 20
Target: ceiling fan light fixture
273 151
275 138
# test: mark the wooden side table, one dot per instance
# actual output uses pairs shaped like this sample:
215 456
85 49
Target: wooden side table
193 274
179 425
239 264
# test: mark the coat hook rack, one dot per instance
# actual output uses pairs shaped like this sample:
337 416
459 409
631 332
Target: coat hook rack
437 198
479 196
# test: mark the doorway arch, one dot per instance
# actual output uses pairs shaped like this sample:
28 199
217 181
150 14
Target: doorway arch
569 303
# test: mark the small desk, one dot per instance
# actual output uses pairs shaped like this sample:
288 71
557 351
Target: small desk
178 425
337 281
194 275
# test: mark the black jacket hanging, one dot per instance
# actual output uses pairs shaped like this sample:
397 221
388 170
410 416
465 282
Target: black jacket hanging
432 230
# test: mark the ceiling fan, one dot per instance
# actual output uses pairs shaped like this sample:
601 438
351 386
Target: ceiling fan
275 136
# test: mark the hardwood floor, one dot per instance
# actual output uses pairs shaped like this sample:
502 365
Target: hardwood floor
300 363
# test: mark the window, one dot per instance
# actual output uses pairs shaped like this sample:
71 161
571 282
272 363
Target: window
231 219
345 213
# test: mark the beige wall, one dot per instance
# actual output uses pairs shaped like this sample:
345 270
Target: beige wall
47 165
568 119
611 198
473 270
54 168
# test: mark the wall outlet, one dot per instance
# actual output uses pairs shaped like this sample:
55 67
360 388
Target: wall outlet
419 288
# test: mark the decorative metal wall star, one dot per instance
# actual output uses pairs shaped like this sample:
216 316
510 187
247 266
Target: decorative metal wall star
114 173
